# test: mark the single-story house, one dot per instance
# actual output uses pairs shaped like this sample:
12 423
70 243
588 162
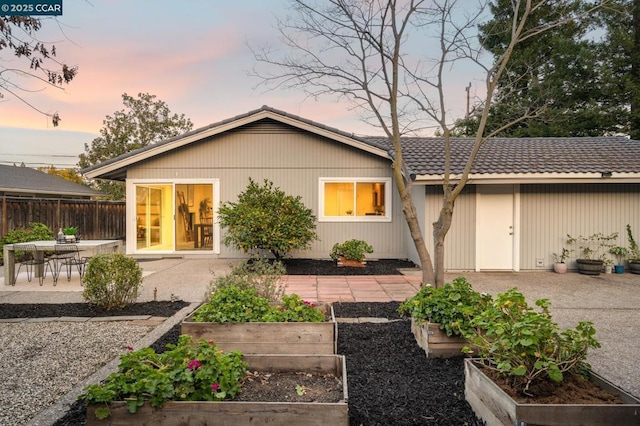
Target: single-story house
31 183
523 198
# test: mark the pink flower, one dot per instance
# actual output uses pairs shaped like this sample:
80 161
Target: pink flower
129 348
193 364
215 386
211 342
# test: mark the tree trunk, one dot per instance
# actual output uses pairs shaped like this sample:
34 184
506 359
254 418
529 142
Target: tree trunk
440 229
634 125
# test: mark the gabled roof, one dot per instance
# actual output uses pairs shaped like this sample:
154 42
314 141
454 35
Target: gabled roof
115 168
26 180
499 160
534 158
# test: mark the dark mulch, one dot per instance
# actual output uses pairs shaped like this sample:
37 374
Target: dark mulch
46 310
330 267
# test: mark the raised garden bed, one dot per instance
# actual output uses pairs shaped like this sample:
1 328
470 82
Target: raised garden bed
232 413
268 338
496 407
435 342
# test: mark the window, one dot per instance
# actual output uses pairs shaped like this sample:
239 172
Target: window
355 199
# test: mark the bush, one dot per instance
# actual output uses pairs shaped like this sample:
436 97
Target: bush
351 249
452 306
259 274
112 280
525 346
34 232
266 218
185 372
234 305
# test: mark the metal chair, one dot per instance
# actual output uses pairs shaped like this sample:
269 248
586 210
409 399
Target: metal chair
68 255
33 258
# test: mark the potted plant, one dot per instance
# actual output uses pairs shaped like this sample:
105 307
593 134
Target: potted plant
593 250
524 357
608 265
440 317
351 253
621 254
559 265
634 252
70 233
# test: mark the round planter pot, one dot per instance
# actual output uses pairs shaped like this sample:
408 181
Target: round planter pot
590 266
618 269
634 266
560 268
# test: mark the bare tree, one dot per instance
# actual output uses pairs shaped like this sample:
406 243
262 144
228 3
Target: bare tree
372 52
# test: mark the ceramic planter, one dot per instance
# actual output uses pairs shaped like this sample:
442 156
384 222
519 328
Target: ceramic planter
618 269
590 266
239 413
560 268
268 337
495 407
435 342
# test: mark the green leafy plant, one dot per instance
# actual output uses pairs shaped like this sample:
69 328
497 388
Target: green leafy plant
184 372
112 280
560 258
620 253
265 218
351 249
634 250
257 273
452 306
525 346
36 231
233 305
301 390
595 246
70 230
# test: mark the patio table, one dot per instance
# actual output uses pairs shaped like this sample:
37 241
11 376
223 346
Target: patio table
98 246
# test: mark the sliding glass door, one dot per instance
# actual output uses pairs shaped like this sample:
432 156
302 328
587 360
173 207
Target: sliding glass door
194 216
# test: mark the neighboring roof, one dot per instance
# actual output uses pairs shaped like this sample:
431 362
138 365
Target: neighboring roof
115 168
577 156
499 159
27 180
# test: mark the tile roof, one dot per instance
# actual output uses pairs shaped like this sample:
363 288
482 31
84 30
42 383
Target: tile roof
425 156
28 180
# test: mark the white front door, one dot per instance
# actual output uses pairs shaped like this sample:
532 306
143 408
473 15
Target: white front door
495 227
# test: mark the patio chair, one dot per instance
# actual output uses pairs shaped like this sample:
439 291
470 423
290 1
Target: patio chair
68 255
32 260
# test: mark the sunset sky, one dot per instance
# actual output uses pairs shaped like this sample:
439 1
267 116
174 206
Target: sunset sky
193 55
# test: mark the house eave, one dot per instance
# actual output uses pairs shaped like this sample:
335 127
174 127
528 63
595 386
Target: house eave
532 178
116 169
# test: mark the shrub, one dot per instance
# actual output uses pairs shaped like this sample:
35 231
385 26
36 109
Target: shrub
112 280
266 218
233 305
351 249
34 232
594 246
525 346
260 274
185 372
452 306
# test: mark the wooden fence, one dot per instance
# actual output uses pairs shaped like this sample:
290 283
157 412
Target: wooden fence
95 220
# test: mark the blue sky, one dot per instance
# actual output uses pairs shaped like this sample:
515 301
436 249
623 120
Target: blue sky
193 55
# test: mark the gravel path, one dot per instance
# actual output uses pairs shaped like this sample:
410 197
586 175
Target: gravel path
37 368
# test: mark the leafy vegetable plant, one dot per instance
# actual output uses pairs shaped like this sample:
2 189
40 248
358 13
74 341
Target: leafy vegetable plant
185 372
525 346
452 306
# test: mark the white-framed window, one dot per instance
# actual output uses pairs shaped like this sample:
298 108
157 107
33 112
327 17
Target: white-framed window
354 200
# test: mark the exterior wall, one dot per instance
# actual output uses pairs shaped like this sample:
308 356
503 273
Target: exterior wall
550 212
293 160
460 241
